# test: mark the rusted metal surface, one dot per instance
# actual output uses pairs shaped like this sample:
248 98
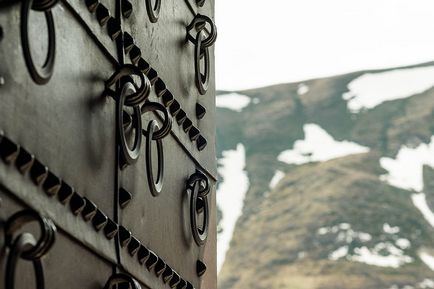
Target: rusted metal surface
107 133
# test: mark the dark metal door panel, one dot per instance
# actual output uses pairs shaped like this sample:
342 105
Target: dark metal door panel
60 145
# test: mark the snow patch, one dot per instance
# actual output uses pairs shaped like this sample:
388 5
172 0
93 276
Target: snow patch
230 196
302 89
233 101
318 145
395 257
389 229
406 171
278 176
427 259
419 201
403 243
426 283
345 233
339 253
372 89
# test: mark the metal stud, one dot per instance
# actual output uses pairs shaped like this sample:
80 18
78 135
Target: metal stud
133 246
127 8
152 260
24 161
77 203
110 229
102 14
128 42
38 172
152 75
52 184
201 143
200 111
160 266
167 274
168 98
143 65
124 198
200 268
65 193
193 133
89 210
160 87
142 254
174 108
124 236
9 150
189 286
181 116
182 284
113 28
99 220
176 279
186 126
135 54
92 5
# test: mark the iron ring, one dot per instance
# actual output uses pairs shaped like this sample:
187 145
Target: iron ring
199 234
43 75
129 156
47 228
202 80
199 23
167 123
121 278
141 93
154 186
200 178
153 12
23 243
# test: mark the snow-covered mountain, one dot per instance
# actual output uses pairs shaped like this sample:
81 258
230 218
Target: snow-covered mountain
329 183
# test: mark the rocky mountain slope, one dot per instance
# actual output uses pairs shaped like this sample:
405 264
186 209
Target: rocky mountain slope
352 193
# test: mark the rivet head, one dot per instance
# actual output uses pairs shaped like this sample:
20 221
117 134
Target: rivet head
102 14
180 117
142 254
200 268
127 8
124 236
174 108
89 210
193 133
167 98
92 5
201 143
38 172
113 28
167 274
151 261
135 54
99 220
65 193
175 280
143 65
186 126
133 246
124 198
182 284
200 111
110 229
76 203
159 267
52 184
24 161
8 150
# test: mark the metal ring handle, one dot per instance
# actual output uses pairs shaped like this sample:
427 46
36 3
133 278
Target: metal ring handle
42 75
121 278
129 155
141 93
153 12
199 23
47 228
199 234
23 243
203 181
155 186
44 5
167 123
201 52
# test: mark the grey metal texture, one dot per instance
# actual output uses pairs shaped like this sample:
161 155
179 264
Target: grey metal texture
107 141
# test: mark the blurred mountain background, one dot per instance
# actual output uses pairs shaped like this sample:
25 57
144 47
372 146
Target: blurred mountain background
328 183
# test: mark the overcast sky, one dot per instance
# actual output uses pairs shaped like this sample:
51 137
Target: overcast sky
275 41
